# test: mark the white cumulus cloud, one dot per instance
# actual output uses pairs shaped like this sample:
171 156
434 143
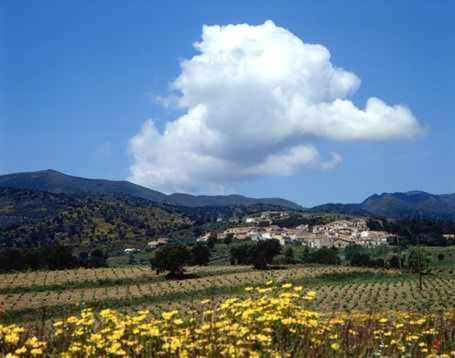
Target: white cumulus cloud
254 99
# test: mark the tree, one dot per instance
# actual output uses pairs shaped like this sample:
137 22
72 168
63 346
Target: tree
229 238
131 259
260 254
418 260
241 254
306 254
171 258
360 259
289 253
324 255
353 250
97 258
200 255
395 262
213 238
263 253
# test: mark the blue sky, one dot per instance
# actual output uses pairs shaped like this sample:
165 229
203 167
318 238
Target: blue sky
79 79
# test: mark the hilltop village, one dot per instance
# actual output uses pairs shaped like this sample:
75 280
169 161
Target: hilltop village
338 233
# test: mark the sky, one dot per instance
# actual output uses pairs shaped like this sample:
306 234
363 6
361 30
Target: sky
310 101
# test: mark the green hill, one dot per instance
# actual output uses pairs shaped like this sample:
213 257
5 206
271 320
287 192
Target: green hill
107 220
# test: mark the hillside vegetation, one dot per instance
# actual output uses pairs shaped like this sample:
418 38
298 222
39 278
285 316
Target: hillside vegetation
88 220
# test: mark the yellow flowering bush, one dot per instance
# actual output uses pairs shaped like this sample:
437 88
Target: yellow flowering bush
268 322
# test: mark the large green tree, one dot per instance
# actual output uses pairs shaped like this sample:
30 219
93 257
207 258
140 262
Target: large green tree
200 255
171 258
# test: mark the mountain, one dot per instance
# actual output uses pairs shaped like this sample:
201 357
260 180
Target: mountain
32 218
411 204
56 182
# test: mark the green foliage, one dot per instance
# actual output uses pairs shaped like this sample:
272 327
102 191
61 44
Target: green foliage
212 240
353 250
324 255
424 231
171 258
54 257
200 255
94 221
259 254
229 238
418 260
263 253
296 220
395 262
289 252
241 254
360 259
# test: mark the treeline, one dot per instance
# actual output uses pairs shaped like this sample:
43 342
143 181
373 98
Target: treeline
414 231
173 258
414 259
55 257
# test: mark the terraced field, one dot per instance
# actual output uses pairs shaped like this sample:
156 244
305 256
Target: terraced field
49 295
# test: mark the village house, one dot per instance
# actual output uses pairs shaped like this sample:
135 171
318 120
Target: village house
130 251
156 243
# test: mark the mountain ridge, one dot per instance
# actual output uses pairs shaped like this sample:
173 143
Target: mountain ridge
56 182
399 205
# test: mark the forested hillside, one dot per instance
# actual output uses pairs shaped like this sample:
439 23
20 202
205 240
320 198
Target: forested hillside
84 220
